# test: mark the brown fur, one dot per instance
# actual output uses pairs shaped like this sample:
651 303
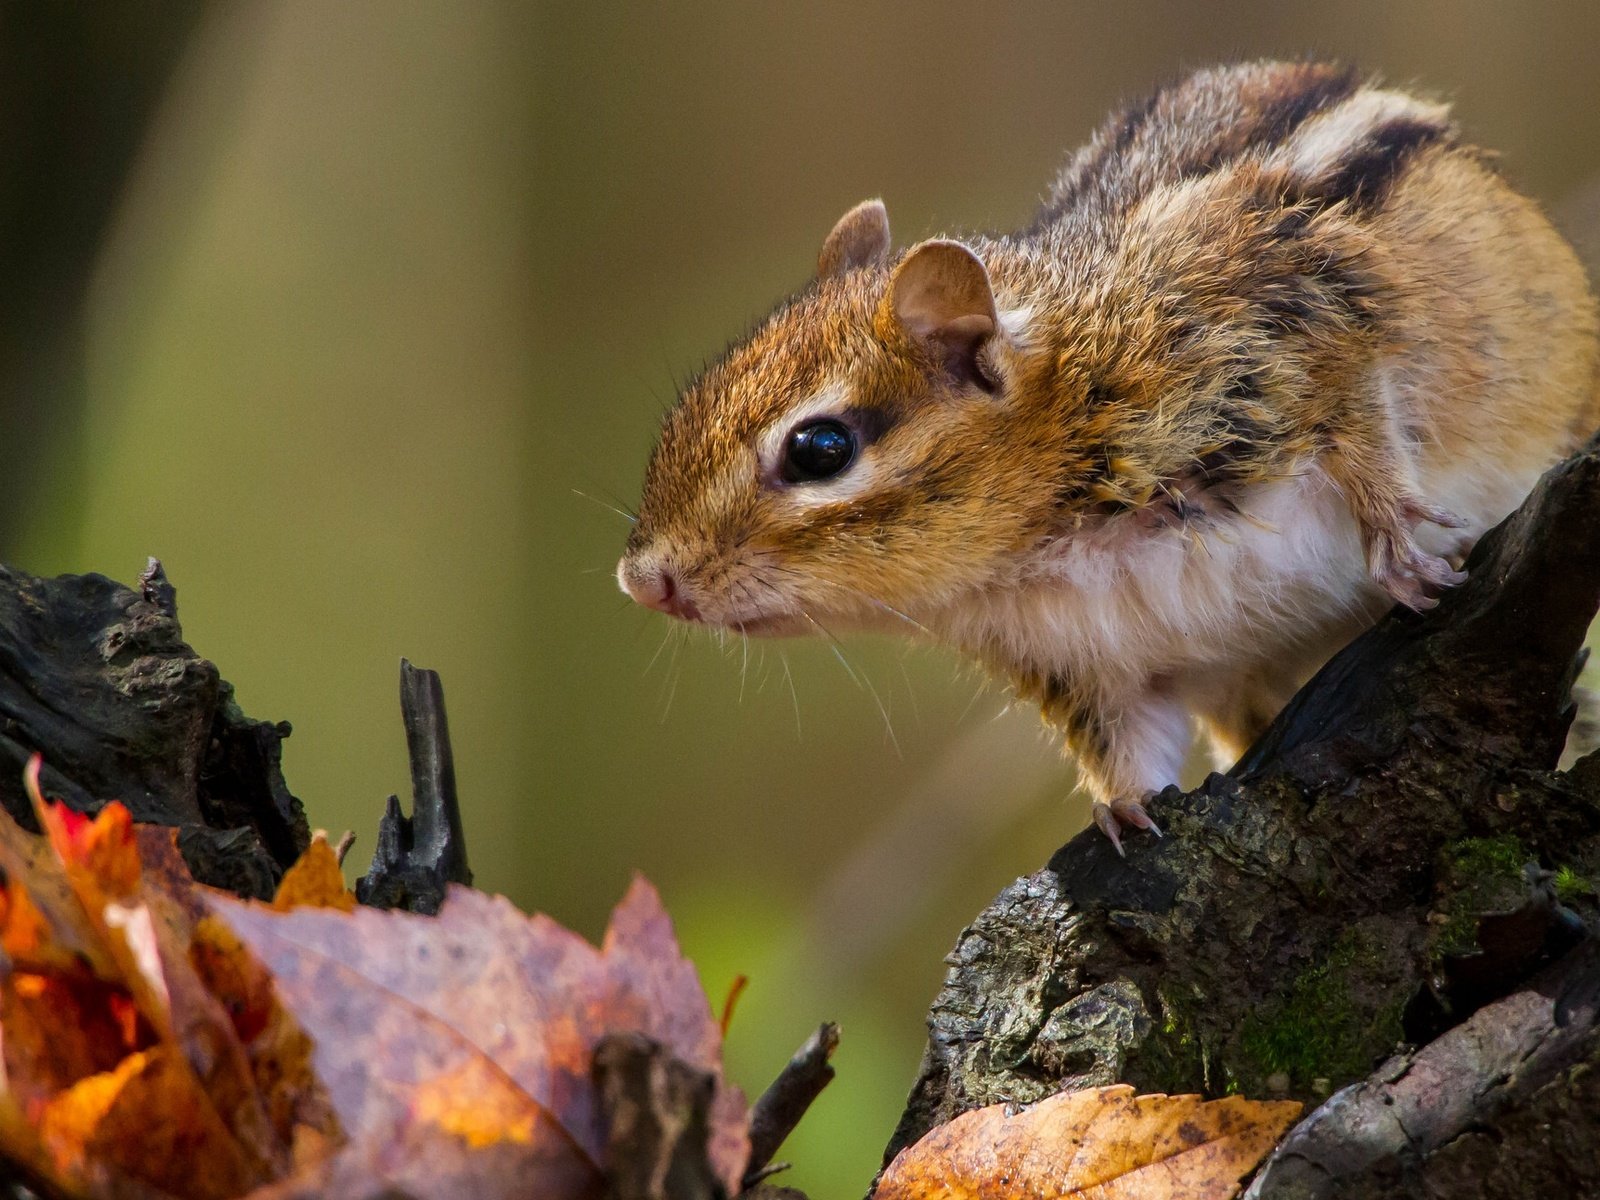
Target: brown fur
1265 271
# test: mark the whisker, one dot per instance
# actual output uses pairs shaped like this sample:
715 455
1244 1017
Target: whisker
794 695
665 638
676 673
860 681
630 518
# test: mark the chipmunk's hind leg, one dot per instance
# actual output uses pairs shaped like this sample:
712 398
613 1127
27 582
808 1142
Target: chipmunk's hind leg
1371 468
1127 745
1235 715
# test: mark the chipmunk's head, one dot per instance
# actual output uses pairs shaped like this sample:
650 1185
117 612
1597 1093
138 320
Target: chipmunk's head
847 464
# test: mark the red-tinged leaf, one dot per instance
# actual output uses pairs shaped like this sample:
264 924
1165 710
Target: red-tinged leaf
408 1088
133 932
1105 1143
47 926
56 1030
521 992
100 847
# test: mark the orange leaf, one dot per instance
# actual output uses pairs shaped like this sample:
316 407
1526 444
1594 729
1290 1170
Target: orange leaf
315 880
102 968
102 847
145 1121
1102 1142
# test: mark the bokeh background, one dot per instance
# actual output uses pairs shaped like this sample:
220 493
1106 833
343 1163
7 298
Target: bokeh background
361 316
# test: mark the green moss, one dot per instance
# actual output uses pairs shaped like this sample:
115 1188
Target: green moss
1481 875
1487 858
1180 1057
1572 886
1320 1027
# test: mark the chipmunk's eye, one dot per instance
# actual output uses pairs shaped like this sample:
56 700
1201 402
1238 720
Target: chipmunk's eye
817 450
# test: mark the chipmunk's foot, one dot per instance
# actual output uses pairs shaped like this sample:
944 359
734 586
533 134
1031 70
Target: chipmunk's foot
1415 512
1113 818
1408 573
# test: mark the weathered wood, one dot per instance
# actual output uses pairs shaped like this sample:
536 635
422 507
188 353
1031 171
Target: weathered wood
1451 1119
775 1115
97 677
657 1113
1313 909
418 857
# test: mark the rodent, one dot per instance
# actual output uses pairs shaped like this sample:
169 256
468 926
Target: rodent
1277 348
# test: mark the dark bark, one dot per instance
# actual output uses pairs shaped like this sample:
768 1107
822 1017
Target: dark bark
97 678
1318 907
418 857
774 1116
658 1114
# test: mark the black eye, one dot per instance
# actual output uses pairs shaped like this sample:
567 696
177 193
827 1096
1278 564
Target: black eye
817 450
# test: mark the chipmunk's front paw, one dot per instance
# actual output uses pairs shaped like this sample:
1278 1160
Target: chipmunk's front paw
1408 573
1113 818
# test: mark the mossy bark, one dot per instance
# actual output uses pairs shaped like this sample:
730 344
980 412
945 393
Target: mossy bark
1383 863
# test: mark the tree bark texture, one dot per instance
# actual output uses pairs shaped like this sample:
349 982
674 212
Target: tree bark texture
97 677
1384 881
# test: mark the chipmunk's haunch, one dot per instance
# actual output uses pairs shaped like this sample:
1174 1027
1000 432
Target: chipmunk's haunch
1277 349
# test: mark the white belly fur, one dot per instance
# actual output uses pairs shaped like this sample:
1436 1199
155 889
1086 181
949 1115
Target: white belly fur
1119 606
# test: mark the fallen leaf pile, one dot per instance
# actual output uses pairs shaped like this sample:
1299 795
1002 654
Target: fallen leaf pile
162 1040
1106 1143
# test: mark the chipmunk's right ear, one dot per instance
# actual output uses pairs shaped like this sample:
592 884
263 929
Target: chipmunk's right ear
859 239
940 297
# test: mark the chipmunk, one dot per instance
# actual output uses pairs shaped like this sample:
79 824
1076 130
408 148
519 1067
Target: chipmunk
1277 349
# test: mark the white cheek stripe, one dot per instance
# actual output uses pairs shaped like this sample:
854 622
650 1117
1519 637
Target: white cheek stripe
826 401
863 475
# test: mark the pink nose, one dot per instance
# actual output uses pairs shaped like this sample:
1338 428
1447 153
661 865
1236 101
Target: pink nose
656 587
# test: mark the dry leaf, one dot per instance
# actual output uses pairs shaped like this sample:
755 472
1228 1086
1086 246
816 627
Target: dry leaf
122 1067
315 880
401 1005
1106 1143
162 1042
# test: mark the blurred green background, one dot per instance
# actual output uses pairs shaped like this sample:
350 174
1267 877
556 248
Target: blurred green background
360 315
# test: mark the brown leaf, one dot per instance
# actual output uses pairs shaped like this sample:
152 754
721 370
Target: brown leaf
396 1003
1103 1142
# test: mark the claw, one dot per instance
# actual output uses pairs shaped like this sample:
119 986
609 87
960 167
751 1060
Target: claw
1109 825
1135 814
1434 515
1114 817
1410 576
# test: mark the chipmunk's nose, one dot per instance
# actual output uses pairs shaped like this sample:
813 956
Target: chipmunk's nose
653 584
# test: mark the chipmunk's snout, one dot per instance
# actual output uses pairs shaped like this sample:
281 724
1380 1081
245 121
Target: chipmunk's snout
652 583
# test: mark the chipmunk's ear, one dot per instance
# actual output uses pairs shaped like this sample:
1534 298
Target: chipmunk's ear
859 239
940 296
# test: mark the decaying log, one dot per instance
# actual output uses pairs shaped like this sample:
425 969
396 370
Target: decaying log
98 678
1318 907
1433 1122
